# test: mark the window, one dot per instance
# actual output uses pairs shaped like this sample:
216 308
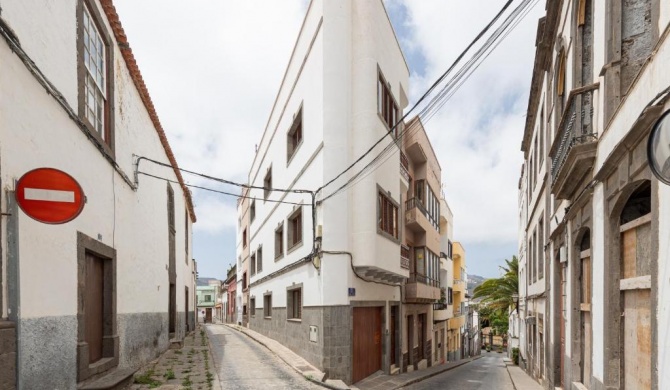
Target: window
267 184
170 208
295 229
95 74
244 310
450 249
252 306
430 202
253 264
208 298
245 281
450 296
279 241
540 248
252 211
387 215
294 303
259 259
294 136
386 105
267 305
244 238
541 134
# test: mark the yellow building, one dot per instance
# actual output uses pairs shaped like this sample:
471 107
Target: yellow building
456 324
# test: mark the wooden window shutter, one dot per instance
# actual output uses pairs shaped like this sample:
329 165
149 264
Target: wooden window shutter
560 88
582 13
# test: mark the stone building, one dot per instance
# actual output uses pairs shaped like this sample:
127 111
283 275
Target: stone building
111 289
595 220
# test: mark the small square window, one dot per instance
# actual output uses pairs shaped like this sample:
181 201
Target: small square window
294 304
295 228
267 305
279 242
294 136
267 184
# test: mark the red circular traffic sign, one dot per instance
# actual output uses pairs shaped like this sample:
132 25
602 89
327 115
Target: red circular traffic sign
49 196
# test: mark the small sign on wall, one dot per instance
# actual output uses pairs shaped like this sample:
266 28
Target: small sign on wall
352 292
313 333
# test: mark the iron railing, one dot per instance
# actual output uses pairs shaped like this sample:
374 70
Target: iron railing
439 306
417 203
404 256
415 277
575 127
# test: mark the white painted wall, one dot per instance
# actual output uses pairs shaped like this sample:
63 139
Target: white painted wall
36 132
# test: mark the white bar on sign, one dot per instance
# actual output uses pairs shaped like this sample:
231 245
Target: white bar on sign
48 195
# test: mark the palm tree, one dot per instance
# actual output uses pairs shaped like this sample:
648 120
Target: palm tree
497 293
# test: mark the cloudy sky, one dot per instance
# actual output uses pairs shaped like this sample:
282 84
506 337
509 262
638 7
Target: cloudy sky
213 68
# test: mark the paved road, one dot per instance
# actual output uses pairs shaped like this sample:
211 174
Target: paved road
487 373
242 363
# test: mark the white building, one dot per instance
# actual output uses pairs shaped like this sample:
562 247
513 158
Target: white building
110 289
597 224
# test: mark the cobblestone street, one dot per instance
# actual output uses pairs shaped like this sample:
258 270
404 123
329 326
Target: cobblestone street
243 363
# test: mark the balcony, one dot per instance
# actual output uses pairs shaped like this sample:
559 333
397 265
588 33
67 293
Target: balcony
416 153
421 289
440 312
404 166
416 216
459 286
574 148
404 256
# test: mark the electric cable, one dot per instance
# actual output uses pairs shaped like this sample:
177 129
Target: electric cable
430 89
221 192
447 91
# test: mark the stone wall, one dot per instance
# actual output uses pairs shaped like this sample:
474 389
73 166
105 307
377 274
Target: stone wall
332 351
7 355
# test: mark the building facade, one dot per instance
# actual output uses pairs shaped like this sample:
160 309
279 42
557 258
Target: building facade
73 99
596 222
244 214
206 295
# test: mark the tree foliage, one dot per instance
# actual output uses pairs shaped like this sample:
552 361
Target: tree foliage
497 296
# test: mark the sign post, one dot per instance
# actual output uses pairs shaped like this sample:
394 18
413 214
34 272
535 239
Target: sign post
50 196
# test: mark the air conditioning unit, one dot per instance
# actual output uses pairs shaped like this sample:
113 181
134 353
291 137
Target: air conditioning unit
562 254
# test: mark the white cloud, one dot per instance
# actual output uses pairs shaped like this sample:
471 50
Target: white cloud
477 135
213 68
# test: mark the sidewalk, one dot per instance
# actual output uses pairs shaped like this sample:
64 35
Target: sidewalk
391 382
520 379
378 381
188 368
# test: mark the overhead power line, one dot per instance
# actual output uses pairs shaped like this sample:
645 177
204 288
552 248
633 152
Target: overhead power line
219 191
421 99
448 90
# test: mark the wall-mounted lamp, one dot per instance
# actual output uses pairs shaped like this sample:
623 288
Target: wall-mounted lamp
658 148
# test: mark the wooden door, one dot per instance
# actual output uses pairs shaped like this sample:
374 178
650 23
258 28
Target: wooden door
186 310
585 328
93 306
394 318
208 316
421 333
410 340
367 342
562 318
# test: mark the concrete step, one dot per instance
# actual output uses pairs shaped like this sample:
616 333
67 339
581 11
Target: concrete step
422 365
394 370
176 344
116 379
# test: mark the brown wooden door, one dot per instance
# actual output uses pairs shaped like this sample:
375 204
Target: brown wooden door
394 318
561 314
208 316
93 306
367 342
421 332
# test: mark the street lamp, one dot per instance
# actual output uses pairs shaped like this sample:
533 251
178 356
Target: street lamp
658 148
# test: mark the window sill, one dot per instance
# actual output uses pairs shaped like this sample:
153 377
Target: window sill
295 320
279 257
294 247
388 236
268 318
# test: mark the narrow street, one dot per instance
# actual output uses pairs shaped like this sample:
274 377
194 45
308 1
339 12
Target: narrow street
486 373
242 363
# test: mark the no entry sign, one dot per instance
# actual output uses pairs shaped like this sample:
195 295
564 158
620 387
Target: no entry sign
49 195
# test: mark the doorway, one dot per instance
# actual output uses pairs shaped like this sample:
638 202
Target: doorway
93 306
422 335
367 329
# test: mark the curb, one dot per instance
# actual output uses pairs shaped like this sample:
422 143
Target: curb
432 374
323 384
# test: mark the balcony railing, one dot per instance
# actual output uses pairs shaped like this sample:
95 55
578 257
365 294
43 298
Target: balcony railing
404 166
404 256
457 313
415 277
439 306
575 128
417 203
